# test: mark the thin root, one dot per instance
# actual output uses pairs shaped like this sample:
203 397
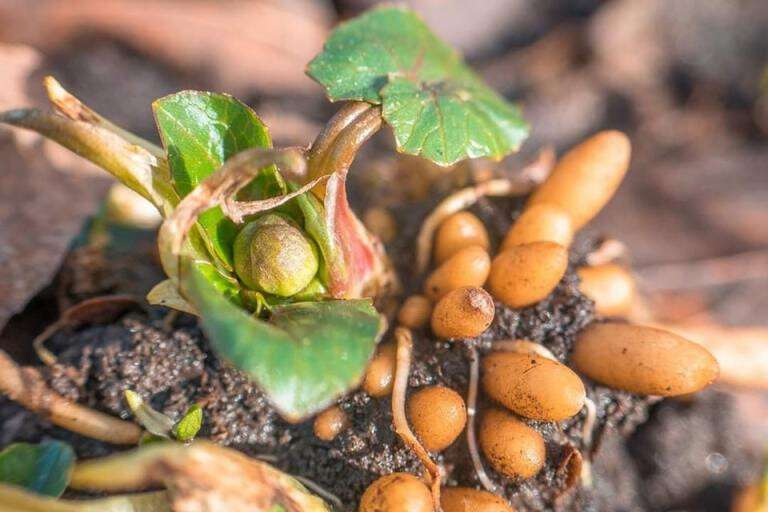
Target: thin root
588 427
322 492
531 176
404 340
102 309
38 344
474 453
609 250
27 387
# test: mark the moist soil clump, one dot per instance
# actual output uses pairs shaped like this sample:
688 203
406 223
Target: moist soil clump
167 360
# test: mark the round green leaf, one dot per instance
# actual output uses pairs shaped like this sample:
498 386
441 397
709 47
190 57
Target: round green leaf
437 107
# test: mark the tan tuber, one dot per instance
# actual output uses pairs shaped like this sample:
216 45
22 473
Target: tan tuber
586 177
397 492
611 286
463 313
380 374
513 448
466 499
415 312
541 222
468 267
533 386
438 415
458 231
525 274
643 360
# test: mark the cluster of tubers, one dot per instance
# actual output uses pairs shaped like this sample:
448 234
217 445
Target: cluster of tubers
521 377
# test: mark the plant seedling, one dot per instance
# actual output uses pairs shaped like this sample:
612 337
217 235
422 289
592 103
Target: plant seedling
158 426
261 242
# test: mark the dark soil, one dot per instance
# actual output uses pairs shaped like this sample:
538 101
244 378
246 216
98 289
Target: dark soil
167 360
171 365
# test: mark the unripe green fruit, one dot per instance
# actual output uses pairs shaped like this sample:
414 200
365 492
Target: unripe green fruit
272 255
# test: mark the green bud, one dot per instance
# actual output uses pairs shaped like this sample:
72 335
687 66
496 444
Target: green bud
272 255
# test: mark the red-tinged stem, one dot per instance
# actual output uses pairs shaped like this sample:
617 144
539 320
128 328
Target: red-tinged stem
336 146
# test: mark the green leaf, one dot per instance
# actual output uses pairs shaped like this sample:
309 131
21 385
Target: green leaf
200 131
43 468
307 355
437 107
189 425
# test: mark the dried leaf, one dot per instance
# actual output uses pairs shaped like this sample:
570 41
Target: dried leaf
13 499
201 476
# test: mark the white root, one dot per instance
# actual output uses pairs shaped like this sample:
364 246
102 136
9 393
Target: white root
587 434
474 453
588 428
404 340
523 347
609 250
531 176
322 492
27 387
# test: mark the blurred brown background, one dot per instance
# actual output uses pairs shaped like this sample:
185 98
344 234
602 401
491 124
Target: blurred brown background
686 79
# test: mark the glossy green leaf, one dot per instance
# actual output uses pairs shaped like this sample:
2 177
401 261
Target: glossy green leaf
43 468
189 425
200 131
437 107
224 285
308 354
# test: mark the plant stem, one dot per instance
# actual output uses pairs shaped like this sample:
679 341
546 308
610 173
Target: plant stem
336 146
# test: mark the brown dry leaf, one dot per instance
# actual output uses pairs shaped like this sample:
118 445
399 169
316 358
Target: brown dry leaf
247 44
42 204
203 476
